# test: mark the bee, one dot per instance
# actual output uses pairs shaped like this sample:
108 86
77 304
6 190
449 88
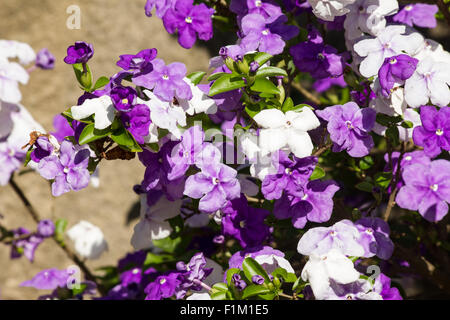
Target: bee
33 137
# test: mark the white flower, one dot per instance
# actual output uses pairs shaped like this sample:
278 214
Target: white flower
286 130
430 81
328 9
199 103
11 73
153 224
102 108
6 109
165 115
333 265
432 50
15 49
199 296
88 240
24 124
389 42
271 262
368 16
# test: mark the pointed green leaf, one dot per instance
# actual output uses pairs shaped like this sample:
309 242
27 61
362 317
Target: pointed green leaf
264 85
196 77
225 83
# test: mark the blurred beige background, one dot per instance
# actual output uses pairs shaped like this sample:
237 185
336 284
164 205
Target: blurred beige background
114 27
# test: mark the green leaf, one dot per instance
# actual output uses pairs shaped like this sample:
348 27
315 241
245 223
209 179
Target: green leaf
299 285
124 139
80 289
254 290
157 258
383 179
28 156
216 76
220 286
225 83
366 162
287 276
264 85
271 72
196 77
287 105
168 244
253 109
364 186
220 295
84 79
60 227
407 124
317 173
393 135
252 268
90 134
100 83
262 58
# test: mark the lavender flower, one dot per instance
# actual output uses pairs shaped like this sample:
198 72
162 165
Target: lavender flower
27 246
349 128
192 274
48 279
46 228
43 149
382 286
257 279
375 237
45 59
434 133
190 20
139 64
161 7
238 282
11 158
419 14
167 82
426 189
69 170
214 185
80 52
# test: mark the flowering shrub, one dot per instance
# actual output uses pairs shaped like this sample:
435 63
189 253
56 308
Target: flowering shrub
293 168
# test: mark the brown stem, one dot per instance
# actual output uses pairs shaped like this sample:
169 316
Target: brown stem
322 149
306 93
70 254
390 205
444 9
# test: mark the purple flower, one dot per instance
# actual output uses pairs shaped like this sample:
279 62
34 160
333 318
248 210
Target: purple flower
80 52
137 122
419 14
157 169
132 259
394 70
426 189
124 98
434 133
184 154
48 279
46 228
26 246
363 98
190 20
322 85
139 64
245 223
228 103
192 274
11 158
166 81
163 287
69 170
258 34
45 59
238 282
62 127
131 276
311 202
407 159
214 186
290 175
43 149
268 9
161 7
382 286
238 258
320 60
349 128
257 279
375 237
